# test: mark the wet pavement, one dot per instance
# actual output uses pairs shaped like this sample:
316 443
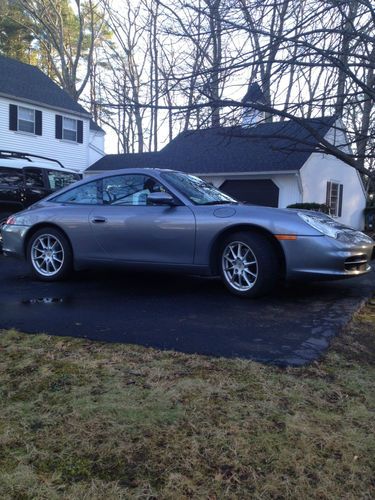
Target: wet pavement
183 313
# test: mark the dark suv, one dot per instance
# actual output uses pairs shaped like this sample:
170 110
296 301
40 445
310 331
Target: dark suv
26 179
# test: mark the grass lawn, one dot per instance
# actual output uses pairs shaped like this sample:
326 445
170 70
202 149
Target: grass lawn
87 420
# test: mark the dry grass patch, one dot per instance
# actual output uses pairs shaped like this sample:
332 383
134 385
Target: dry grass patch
87 420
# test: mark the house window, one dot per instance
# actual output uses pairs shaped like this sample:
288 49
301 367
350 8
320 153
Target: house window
334 198
69 129
23 119
26 120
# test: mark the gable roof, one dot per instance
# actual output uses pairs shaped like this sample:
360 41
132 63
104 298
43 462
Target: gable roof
25 82
277 147
94 126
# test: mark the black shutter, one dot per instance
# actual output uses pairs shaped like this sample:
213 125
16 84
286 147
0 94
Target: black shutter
58 127
341 192
38 122
80 131
328 196
13 117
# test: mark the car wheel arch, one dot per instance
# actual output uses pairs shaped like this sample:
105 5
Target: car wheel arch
44 225
247 228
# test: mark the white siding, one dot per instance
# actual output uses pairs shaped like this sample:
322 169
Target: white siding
71 155
289 190
96 146
321 168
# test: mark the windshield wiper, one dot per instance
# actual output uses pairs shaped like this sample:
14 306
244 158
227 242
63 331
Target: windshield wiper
223 202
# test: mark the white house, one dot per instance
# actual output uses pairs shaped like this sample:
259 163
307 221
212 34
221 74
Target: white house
38 117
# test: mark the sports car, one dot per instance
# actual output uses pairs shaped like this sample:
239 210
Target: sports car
155 218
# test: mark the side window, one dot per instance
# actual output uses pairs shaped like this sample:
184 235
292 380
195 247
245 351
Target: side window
34 178
86 194
58 180
10 177
131 189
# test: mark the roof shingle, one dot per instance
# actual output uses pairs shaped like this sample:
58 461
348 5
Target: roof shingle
23 81
277 146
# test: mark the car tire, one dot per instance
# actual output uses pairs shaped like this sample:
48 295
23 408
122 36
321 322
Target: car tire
249 265
49 255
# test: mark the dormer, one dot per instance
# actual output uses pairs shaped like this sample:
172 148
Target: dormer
251 116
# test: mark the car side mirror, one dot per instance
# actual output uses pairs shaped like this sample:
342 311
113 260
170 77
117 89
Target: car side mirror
161 198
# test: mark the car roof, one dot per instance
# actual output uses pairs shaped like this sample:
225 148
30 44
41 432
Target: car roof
17 163
122 171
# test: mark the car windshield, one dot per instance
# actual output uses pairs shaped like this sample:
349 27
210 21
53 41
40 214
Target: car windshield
197 190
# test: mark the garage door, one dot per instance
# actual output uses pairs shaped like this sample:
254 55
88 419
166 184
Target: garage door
258 192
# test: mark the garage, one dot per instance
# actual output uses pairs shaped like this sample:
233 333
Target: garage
257 192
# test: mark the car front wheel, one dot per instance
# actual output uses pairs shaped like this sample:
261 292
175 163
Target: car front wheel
249 264
49 255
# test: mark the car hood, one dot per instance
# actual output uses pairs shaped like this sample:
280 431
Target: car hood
284 220
271 211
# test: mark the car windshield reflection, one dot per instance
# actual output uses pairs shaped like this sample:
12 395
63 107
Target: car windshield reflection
196 190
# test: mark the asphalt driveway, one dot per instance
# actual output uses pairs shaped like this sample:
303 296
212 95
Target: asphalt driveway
182 313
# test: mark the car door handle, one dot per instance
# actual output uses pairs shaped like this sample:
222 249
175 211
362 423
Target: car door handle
97 220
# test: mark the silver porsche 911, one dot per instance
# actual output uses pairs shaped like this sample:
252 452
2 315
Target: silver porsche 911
170 220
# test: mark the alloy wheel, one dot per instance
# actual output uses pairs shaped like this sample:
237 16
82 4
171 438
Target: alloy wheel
240 266
47 255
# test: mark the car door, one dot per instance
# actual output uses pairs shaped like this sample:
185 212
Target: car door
73 216
11 191
34 185
129 229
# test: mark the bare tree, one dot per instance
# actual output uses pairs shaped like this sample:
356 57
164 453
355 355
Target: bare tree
187 64
128 58
67 34
154 84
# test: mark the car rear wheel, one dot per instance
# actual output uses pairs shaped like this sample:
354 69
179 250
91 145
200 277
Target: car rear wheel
49 255
249 264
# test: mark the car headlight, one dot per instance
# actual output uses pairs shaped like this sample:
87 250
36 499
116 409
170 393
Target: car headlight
322 223
10 220
328 226
354 237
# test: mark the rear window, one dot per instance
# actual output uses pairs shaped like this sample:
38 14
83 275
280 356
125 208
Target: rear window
59 180
10 177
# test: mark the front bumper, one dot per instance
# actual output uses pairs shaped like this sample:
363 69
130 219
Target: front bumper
322 257
13 238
